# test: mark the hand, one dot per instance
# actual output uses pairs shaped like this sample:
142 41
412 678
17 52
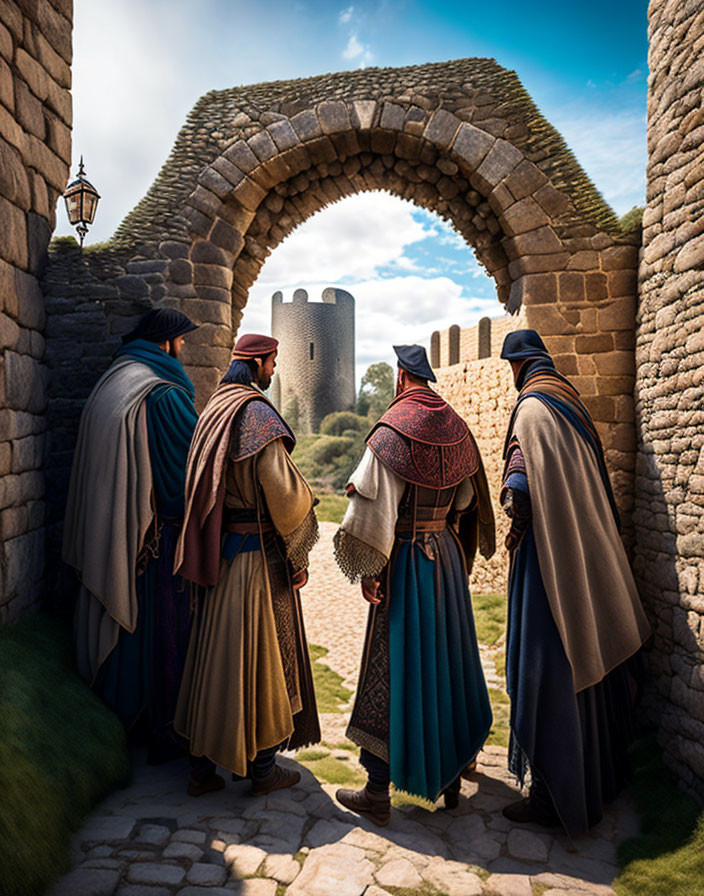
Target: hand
370 590
299 579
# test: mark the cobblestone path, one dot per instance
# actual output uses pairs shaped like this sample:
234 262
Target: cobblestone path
151 839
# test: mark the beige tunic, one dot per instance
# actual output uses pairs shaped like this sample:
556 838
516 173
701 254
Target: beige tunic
234 699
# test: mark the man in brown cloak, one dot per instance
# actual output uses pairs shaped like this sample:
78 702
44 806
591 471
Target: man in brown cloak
574 616
247 688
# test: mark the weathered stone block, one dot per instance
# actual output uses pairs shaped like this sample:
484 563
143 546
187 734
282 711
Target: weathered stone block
38 236
24 385
622 283
542 241
180 271
7 93
333 117
393 117
6 46
57 29
306 125
249 194
263 146
522 216
571 287
499 162
441 128
215 182
362 114
596 287
525 179
29 110
13 234
212 275
227 237
30 301
554 202
619 315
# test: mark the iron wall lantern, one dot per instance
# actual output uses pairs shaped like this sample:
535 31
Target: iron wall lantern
81 199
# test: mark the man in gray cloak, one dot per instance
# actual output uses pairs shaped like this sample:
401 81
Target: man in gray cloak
123 515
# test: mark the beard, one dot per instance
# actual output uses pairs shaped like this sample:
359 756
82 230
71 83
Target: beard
263 381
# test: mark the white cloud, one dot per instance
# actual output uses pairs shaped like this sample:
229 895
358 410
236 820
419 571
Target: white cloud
352 238
355 244
346 15
353 48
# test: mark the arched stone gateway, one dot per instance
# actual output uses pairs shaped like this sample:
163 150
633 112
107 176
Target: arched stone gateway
461 138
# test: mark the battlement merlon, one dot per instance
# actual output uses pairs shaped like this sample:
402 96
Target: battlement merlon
332 295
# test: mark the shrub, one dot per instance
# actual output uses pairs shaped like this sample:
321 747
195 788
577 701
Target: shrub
343 422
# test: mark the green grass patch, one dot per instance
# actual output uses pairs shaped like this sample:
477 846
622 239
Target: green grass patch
489 617
343 745
331 508
329 690
668 856
501 709
425 889
61 750
311 755
400 798
500 664
334 771
539 889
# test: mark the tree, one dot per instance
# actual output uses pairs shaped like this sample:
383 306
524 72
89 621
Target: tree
376 390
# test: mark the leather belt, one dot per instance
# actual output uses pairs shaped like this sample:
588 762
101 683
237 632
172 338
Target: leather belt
249 528
421 525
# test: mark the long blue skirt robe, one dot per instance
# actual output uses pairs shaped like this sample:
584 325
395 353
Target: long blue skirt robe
143 672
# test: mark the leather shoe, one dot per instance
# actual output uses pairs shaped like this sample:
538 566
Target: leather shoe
525 811
375 807
277 779
207 785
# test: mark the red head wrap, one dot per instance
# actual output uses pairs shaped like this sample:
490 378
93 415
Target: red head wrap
254 345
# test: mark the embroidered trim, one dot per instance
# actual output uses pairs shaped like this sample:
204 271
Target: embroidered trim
355 558
300 542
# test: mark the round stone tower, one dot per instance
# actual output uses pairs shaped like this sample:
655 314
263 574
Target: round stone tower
315 365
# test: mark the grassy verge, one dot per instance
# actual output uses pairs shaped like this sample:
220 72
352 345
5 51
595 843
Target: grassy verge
329 690
489 617
668 856
501 709
61 751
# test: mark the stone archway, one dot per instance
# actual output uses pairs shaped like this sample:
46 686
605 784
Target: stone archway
461 138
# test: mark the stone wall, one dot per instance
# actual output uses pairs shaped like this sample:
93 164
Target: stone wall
315 363
669 514
35 151
483 340
482 392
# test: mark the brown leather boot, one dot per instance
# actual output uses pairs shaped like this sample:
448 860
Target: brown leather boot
277 779
375 807
207 785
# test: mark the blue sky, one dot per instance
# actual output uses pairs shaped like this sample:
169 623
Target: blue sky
140 65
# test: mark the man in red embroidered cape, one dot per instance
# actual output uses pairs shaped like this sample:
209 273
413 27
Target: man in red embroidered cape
422 709
247 688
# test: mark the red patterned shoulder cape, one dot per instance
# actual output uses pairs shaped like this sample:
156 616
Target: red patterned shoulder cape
424 441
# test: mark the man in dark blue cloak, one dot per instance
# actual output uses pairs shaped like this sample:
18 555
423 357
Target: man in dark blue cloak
123 515
574 616
419 504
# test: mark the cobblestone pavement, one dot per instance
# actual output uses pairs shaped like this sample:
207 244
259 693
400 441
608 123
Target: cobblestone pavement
151 839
